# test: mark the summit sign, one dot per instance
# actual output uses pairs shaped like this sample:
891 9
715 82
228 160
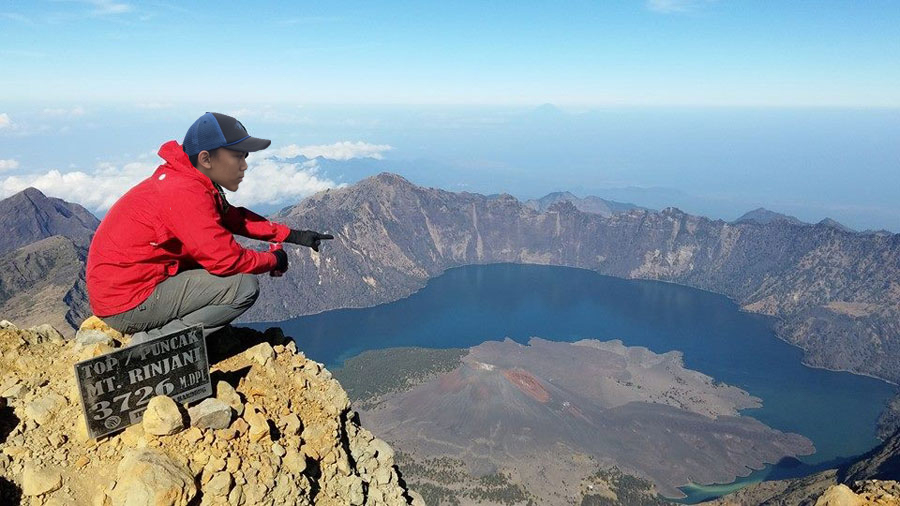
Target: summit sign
115 388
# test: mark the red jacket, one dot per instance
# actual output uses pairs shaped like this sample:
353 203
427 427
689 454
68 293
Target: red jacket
168 223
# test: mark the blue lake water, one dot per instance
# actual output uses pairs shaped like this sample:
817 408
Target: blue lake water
469 305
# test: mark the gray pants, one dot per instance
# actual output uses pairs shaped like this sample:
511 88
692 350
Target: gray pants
189 298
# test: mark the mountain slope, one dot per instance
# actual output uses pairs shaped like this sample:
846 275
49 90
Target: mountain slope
30 216
836 294
43 282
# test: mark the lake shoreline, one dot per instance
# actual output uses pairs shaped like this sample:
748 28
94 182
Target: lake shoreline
734 301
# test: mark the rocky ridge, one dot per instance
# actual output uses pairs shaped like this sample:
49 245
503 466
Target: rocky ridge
279 431
822 284
589 204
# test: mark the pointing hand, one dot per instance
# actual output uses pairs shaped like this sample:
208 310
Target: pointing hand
307 238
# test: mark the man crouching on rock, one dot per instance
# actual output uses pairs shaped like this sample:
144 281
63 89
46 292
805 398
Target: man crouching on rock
164 257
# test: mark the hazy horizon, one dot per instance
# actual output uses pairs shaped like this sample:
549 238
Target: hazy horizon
715 107
811 163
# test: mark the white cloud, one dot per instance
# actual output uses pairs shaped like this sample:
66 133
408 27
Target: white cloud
5 121
97 8
97 190
669 6
338 151
267 181
8 165
272 181
73 112
102 7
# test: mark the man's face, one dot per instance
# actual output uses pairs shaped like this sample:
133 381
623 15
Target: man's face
225 167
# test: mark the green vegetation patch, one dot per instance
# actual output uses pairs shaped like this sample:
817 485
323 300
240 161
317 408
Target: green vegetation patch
630 490
435 494
497 488
374 373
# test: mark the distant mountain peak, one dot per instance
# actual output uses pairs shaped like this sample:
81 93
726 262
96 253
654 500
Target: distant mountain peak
30 216
388 178
828 222
32 192
561 195
673 211
589 204
764 216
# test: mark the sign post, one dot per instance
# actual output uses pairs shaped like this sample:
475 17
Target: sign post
115 388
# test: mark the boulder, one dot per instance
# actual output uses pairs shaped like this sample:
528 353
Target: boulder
839 495
259 424
48 333
292 424
210 414
97 324
17 391
162 417
86 337
261 353
42 409
36 481
227 394
219 485
150 477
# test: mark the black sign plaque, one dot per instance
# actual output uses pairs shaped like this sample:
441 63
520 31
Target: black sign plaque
115 388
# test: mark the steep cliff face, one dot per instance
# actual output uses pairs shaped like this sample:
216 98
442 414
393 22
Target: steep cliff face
836 294
288 435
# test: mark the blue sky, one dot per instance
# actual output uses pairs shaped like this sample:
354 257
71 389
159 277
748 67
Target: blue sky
662 52
714 106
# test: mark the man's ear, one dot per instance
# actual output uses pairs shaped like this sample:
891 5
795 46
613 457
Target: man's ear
203 159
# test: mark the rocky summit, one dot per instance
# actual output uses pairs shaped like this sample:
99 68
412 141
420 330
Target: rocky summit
279 431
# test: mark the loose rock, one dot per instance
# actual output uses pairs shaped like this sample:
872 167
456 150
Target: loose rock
292 424
227 394
85 337
150 477
48 333
261 353
162 417
37 481
219 484
210 414
43 409
16 391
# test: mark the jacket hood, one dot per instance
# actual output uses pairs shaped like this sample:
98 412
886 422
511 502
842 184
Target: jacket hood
177 160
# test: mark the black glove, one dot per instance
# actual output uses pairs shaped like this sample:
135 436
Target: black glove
282 264
307 238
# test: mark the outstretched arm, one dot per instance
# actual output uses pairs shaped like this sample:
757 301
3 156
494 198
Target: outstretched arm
246 223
